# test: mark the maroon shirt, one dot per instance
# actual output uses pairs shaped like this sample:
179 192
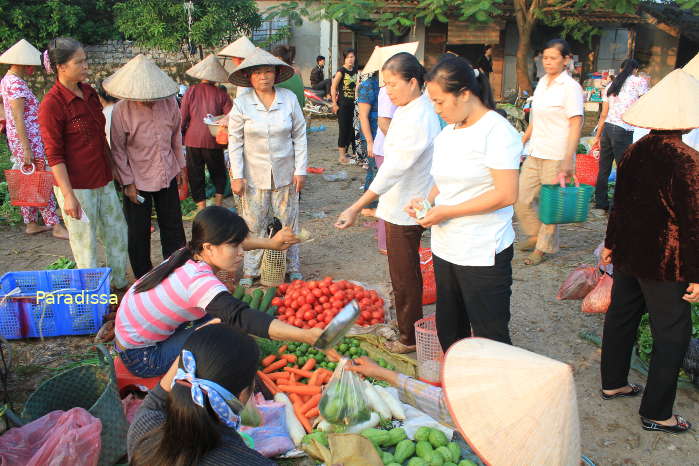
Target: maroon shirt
200 100
73 133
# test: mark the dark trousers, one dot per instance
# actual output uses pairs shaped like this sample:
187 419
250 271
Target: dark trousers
613 143
475 297
403 244
213 159
345 123
323 85
167 208
671 327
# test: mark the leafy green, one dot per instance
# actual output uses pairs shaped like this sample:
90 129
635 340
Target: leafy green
645 339
62 263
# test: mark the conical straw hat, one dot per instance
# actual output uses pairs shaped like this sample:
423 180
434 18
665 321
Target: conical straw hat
140 79
22 53
512 406
693 66
209 69
669 105
380 55
260 58
241 48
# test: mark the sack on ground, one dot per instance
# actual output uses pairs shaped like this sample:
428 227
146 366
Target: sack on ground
579 283
599 299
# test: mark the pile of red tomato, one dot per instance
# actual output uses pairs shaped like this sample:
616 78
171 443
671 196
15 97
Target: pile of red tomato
309 304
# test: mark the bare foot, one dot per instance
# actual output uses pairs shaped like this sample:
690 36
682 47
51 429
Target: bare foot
34 228
60 232
343 161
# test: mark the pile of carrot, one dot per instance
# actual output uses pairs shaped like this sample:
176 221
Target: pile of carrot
305 397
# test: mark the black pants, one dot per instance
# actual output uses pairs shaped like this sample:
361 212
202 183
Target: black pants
475 297
214 161
613 143
167 208
671 327
323 85
345 123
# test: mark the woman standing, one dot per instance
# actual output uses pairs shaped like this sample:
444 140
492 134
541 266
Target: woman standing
368 102
22 109
613 135
653 242
343 93
202 99
72 128
475 169
554 131
267 150
403 176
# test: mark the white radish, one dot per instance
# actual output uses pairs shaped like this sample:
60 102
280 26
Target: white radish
324 426
393 404
375 401
296 430
373 421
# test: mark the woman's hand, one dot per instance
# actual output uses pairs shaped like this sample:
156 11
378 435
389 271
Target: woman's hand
238 186
370 149
312 335
335 107
605 258
369 368
131 192
434 216
595 143
347 218
299 182
692 294
284 239
181 179
71 206
415 205
28 156
566 170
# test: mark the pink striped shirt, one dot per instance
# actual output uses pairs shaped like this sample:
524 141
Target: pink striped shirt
149 317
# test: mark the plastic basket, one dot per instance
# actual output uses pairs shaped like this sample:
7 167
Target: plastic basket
429 351
587 167
564 205
29 188
80 302
92 387
273 269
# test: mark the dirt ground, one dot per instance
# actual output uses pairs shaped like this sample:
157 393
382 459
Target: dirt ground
611 432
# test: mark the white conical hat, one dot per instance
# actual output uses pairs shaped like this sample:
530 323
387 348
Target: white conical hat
693 66
260 58
241 48
140 79
209 69
669 105
511 405
380 55
22 53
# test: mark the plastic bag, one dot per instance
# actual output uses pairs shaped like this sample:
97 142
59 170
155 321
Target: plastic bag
579 283
60 438
271 438
599 299
251 415
343 402
131 405
429 285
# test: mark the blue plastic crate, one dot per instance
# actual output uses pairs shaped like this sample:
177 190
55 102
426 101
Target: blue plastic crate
21 314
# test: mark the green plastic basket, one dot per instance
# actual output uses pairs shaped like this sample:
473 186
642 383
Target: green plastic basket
90 387
564 205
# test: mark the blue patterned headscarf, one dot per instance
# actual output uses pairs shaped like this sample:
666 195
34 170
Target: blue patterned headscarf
221 400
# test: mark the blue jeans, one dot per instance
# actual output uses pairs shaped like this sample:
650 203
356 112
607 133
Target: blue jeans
155 360
370 173
613 143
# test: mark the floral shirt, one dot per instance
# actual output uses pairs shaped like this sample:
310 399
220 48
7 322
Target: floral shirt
13 87
633 88
368 93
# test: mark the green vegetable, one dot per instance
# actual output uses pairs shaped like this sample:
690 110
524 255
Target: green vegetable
302 360
396 435
62 263
446 454
437 438
267 298
417 462
467 463
387 457
272 310
320 437
291 348
434 459
247 298
239 292
455 451
423 433
256 299
394 464
423 449
343 348
377 436
449 463
404 450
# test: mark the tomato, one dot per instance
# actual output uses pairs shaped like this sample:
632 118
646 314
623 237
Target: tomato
317 292
373 294
318 308
290 312
283 287
323 299
379 302
327 306
374 322
277 302
294 305
365 315
364 302
308 315
312 322
377 315
299 314
310 299
325 290
312 284
328 279
334 289
282 318
298 322
340 295
305 307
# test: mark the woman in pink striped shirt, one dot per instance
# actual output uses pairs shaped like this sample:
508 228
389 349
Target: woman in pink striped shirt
163 308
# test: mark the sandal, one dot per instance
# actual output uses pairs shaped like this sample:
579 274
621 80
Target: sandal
681 427
528 244
295 276
535 258
246 282
636 390
398 347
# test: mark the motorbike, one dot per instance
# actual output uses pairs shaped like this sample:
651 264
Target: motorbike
315 104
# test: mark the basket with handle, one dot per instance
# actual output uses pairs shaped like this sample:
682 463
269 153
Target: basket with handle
30 188
92 387
569 204
587 167
429 351
273 269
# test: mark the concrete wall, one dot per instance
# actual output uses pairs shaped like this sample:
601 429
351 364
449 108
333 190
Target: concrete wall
656 48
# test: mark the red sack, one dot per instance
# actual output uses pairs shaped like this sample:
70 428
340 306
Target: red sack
587 167
579 283
429 286
599 299
60 438
183 189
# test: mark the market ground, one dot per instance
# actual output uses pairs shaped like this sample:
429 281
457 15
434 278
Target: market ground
611 432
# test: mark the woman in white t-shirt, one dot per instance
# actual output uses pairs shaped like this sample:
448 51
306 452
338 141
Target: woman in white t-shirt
404 175
554 133
475 169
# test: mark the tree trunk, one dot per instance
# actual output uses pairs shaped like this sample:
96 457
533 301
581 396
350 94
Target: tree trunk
525 24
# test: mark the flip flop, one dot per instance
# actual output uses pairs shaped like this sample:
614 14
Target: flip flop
398 347
535 258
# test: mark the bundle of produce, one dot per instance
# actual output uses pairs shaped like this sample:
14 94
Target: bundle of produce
258 299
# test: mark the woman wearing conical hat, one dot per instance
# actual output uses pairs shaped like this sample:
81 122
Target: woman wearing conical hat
236 52
22 116
653 241
201 99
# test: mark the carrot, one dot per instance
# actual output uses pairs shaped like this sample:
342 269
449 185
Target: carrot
292 379
282 349
274 366
278 375
303 419
311 403
300 389
282 381
268 360
289 357
268 383
295 398
301 372
313 412
316 378
310 364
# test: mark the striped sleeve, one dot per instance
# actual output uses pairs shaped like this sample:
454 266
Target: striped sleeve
203 288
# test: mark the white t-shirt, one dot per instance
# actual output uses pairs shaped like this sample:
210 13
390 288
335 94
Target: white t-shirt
107 111
405 173
552 106
461 168
386 109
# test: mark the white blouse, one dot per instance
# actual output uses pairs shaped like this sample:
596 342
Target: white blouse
461 168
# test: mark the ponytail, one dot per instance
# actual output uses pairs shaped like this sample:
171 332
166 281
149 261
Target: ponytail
455 75
164 270
627 68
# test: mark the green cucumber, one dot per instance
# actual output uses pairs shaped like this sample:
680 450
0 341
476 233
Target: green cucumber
272 310
246 299
267 298
239 292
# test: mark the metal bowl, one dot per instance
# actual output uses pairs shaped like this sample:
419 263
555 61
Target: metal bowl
213 127
339 326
